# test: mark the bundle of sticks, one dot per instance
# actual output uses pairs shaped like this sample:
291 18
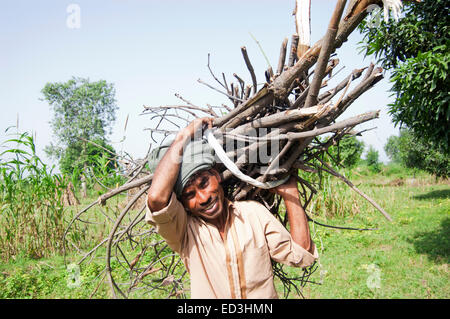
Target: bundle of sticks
289 110
286 115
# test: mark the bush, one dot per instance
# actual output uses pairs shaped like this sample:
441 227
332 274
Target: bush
348 152
372 160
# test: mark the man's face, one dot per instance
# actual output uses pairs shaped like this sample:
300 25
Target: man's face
203 196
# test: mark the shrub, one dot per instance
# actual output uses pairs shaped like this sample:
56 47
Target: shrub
372 160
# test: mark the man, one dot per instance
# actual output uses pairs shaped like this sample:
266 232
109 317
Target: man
226 246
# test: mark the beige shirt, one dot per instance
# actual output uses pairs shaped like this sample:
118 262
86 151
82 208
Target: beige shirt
238 266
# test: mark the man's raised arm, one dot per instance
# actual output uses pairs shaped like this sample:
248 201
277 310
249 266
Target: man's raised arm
166 173
298 221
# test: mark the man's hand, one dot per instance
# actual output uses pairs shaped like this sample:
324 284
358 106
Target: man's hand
195 126
287 189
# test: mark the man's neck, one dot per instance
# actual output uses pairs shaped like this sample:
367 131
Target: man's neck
221 221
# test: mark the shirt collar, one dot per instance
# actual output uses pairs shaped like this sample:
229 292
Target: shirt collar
232 208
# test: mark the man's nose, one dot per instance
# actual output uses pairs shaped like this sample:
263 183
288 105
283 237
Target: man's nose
203 197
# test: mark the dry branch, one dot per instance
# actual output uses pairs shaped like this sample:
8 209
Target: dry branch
249 67
327 48
282 58
302 14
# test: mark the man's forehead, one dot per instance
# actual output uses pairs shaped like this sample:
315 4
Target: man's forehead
197 175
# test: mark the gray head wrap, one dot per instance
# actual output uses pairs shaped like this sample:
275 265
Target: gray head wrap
197 156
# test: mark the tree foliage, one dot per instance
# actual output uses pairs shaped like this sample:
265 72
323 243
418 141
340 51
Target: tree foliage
411 152
348 152
392 148
71 160
372 159
417 50
83 110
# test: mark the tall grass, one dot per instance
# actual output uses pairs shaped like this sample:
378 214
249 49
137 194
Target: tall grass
31 209
333 198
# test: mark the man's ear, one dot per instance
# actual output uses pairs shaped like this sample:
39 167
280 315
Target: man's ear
216 173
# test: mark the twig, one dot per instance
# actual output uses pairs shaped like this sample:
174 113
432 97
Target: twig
182 107
249 67
279 87
241 82
210 71
226 94
328 95
111 236
137 183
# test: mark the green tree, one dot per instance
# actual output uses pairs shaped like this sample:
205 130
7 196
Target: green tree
71 161
411 152
83 111
372 159
416 49
348 152
392 148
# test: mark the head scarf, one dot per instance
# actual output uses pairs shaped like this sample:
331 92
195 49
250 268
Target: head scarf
197 156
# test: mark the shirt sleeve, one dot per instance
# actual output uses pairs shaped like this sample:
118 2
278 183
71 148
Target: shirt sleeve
282 247
170 222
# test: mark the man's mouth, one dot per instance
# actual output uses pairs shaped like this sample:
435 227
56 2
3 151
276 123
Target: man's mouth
210 206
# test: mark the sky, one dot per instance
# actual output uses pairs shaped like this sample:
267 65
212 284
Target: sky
151 50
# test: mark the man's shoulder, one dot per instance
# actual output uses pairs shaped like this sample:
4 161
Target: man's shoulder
253 212
249 206
247 202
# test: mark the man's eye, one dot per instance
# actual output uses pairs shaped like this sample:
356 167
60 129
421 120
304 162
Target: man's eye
204 182
189 195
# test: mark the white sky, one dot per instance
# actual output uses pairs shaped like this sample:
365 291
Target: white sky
151 50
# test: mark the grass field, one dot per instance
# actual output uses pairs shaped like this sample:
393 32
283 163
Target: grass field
406 258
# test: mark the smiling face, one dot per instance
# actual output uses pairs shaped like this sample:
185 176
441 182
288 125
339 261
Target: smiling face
203 196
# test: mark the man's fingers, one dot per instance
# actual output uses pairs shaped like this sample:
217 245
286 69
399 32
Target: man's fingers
208 121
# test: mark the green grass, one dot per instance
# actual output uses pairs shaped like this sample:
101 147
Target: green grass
412 253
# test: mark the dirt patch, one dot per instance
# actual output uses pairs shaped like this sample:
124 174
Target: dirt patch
414 182
386 248
130 194
68 196
443 267
397 182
